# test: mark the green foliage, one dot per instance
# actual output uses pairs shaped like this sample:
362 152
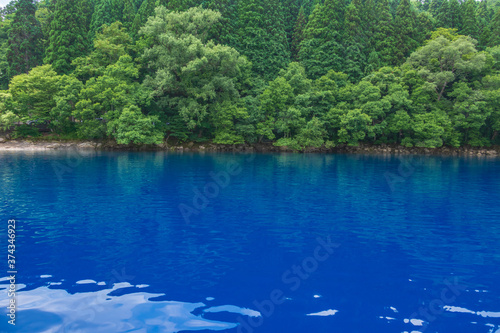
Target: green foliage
455 15
469 113
105 12
6 15
262 37
225 119
448 33
32 93
363 71
321 50
442 60
25 40
290 143
224 31
406 38
104 98
128 14
290 9
134 127
442 15
493 37
313 134
67 37
25 131
298 34
110 44
383 37
145 10
354 42
65 99
429 129
469 22
354 127
193 76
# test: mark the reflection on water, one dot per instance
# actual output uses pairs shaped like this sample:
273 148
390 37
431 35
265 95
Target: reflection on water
124 308
109 310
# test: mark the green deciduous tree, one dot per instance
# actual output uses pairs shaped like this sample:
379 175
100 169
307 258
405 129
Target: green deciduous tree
110 44
429 129
33 93
132 126
469 113
192 75
225 118
103 99
354 127
313 134
68 91
442 60
491 92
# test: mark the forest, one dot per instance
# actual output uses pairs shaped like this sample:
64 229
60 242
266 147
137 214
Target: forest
298 73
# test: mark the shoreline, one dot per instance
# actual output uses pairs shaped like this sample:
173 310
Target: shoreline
28 145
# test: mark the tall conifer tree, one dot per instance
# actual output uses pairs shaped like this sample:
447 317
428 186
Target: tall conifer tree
383 38
224 31
262 37
434 7
494 30
298 34
405 30
290 13
482 14
354 42
128 15
455 15
147 9
24 40
442 16
68 36
322 50
469 23
105 12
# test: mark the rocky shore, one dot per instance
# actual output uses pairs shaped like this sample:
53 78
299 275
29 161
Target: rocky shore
27 145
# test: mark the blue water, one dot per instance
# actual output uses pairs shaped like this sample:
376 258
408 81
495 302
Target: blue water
150 242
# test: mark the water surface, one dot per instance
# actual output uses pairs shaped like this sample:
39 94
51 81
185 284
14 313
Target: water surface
157 242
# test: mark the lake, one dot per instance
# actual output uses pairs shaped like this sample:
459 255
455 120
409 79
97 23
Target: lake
165 242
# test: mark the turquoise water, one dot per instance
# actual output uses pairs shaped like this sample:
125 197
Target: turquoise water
157 242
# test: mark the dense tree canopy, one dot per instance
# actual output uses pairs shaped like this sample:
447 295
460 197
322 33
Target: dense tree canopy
299 73
25 49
